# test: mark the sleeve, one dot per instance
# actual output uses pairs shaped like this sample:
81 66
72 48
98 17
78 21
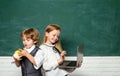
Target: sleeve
48 63
50 66
38 59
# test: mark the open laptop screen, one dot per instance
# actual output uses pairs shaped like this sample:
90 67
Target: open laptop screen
72 61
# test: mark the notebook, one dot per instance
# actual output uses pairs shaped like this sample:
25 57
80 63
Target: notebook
72 61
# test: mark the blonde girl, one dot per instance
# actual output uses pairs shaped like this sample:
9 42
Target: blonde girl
53 54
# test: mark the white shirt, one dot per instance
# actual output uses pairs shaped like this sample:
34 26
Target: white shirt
50 64
38 57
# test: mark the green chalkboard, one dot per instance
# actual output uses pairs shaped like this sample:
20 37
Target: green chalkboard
94 23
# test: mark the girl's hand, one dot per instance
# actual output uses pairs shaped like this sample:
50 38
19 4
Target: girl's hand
79 64
60 60
63 53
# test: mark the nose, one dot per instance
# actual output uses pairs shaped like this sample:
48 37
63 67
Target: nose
56 37
24 42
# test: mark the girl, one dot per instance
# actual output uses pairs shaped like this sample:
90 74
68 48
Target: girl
53 54
30 57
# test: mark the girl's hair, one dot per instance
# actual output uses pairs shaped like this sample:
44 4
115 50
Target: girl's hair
50 28
31 33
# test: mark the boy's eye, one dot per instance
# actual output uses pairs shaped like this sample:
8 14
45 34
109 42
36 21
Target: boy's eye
28 39
23 39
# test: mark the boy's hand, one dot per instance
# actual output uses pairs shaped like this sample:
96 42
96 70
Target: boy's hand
24 53
16 55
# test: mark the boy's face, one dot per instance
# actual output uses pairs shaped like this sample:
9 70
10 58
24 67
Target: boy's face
53 36
27 42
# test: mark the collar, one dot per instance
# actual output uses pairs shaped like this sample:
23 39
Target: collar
50 45
30 49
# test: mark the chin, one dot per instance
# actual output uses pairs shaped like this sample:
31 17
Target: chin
53 42
27 47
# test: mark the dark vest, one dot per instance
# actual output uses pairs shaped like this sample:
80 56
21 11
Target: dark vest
28 68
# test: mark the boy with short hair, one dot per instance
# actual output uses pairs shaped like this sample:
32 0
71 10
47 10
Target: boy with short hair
30 57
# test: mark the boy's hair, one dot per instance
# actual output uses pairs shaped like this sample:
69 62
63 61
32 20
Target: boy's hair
50 28
31 33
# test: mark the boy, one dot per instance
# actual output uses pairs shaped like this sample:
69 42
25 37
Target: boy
30 57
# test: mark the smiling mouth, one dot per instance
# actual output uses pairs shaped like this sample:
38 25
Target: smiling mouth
25 45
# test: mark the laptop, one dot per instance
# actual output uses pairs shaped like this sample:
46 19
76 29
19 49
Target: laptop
73 61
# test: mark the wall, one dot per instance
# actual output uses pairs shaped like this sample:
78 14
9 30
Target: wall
92 66
94 23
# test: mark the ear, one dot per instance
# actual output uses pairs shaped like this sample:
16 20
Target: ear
46 34
35 42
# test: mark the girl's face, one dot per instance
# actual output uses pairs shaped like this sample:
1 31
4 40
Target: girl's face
52 37
27 42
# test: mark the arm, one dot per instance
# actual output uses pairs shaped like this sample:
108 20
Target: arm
61 59
29 56
17 62
39 56
37 60
17 58
52 63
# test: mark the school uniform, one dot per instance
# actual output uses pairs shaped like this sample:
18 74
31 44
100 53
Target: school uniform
28 69
50 64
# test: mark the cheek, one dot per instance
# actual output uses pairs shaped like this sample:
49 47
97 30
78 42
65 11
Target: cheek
50 37
23 42
57 39
53 38
31 43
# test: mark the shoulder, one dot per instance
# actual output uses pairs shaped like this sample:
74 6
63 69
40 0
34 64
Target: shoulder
41 46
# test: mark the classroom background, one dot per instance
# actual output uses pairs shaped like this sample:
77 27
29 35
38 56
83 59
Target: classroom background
93 23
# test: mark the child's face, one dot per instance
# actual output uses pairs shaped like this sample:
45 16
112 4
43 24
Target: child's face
27 42
52 36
